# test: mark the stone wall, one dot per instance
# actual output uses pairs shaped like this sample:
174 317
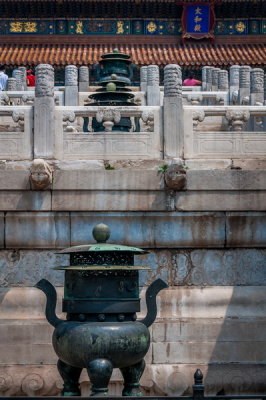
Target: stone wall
201 217
207 241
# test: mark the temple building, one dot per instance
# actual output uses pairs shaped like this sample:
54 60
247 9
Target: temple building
62 32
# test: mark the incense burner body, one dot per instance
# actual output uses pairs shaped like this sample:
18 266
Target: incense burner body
101 299
80 343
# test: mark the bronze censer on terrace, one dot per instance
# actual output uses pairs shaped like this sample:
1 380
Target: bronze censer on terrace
101 299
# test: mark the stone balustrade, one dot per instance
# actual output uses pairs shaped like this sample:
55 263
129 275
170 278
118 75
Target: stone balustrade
209 132
158 131
200 97
27 97
16 132
143 142
230 139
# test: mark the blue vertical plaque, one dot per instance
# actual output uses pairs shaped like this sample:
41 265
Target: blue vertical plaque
198 20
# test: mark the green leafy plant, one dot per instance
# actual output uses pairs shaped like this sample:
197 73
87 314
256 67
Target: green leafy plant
109 167
162 168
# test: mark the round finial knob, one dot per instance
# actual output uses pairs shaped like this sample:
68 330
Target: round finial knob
111 87
114 77
115 50
101 233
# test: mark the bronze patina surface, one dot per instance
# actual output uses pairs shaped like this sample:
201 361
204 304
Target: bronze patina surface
101 299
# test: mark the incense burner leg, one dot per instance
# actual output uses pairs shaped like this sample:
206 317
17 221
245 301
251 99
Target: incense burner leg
70 377
99 371
132 377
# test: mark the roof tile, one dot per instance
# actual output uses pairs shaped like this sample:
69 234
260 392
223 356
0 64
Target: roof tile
161 54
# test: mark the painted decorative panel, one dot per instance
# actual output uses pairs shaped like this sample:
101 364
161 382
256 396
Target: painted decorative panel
171 27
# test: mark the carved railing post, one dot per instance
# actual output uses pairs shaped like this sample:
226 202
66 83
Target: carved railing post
44 113
71 85
264 88
11 84
143 78
215 73
204 78
223 83
83 78
256 96
24 74
153 88
256 86
244 85
209 78
233 84
173 112
18 75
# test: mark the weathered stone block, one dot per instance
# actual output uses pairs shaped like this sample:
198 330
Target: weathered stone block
2 229
246 230
212 302
210 329
34 353
220 352
249 164
15 200
14 180
23 230
107 180
26 303
218 200
110 200
26 267
152 229
226 180
176 267
209 164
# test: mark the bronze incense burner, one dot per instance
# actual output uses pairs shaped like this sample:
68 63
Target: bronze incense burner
101 299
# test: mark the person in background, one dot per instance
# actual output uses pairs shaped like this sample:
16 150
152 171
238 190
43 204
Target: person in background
30 78
191 81
3 78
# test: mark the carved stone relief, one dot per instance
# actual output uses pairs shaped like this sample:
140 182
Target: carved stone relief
143 74
19 118
68 118
204 74
40 175
223 79
237 118
244 76
71 75
18 75
11 84
172 81
109 117
198 116
44 80
28 99
234 75
215 72
219 100
153 75
195 99
4 98
209 74
175 175
257 80
84 74
148 119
